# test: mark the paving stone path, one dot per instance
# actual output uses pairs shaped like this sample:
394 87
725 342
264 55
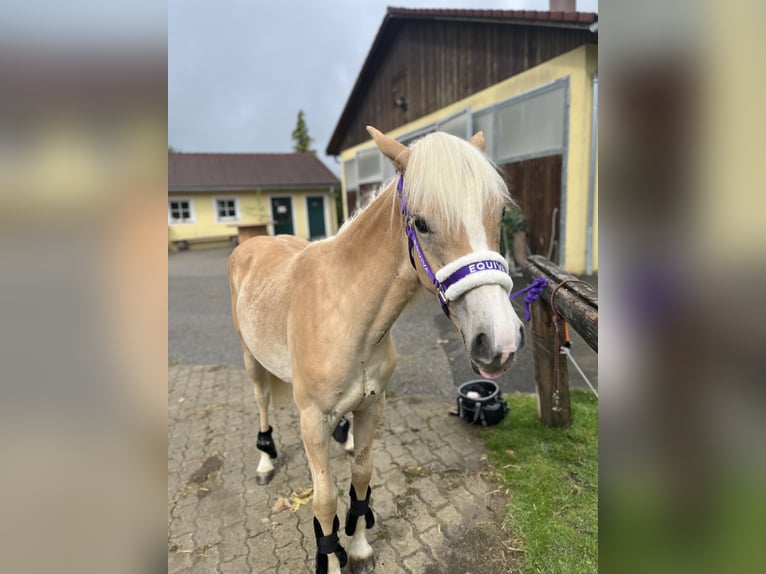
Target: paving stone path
438 509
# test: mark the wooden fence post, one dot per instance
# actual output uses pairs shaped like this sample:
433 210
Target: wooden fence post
576 303
555 413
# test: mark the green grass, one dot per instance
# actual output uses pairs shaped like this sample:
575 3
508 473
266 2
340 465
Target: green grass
552 480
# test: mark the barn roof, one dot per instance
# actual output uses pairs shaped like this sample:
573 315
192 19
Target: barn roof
394 16
221 171
527 16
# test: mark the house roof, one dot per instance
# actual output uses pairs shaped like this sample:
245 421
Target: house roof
394 16
221 171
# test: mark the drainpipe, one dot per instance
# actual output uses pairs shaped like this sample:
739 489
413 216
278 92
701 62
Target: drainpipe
592 180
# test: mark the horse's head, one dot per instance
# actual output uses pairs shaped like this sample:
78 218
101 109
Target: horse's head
454 199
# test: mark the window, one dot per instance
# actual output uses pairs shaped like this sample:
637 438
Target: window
349 174
483 123
370 166
456 125
226 209
180 211
411 137
531 125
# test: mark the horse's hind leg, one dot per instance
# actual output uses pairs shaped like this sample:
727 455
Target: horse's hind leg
344 435
262 388
360 516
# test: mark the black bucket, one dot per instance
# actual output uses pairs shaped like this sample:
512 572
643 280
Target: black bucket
480 402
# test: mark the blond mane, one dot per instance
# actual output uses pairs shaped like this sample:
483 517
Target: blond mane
447 176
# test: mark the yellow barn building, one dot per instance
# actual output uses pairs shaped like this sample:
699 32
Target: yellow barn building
217 199
527 79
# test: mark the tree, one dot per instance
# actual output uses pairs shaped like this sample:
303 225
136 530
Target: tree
301 136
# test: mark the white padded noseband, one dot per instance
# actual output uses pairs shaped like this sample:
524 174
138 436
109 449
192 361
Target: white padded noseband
474 270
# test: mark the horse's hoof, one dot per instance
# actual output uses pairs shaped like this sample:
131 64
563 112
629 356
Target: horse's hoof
362 565
264 478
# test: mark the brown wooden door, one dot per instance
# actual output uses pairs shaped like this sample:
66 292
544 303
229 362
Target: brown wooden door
535 184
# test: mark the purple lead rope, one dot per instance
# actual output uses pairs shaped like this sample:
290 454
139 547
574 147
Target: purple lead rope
535 290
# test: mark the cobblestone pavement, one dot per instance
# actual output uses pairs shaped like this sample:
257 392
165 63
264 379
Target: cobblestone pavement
438 509
433 494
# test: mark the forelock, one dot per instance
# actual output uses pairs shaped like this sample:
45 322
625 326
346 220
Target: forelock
447 177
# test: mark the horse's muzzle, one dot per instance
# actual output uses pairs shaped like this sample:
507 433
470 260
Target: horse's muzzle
490 360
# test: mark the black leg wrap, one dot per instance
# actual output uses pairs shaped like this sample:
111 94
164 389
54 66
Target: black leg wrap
359 508
266 443
340 433
328 545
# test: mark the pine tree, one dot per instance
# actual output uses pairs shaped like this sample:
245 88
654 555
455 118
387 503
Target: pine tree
301 136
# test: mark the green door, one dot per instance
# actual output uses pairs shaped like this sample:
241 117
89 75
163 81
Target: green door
282 210
316 217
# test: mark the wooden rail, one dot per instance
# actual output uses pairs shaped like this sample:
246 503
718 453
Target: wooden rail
577 304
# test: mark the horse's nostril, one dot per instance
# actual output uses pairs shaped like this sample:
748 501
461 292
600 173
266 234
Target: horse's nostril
481 349
522 336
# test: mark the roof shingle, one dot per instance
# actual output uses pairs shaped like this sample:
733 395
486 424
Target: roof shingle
198 171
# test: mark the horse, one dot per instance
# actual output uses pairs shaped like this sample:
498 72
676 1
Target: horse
319 315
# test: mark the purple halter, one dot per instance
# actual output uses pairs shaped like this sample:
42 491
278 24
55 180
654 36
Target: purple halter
465 273
412 241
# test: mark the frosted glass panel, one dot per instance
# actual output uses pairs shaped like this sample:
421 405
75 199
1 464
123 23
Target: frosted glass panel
369 166
455 126
532 125
483 123
409 139
349 174
388 169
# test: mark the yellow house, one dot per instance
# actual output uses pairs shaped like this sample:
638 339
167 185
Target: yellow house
527 79
217 199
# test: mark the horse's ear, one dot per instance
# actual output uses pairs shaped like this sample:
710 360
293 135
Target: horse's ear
397 152
478 140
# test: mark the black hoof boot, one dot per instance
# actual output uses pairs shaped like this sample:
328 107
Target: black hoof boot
363 566
266 443
359 508
328 545
264 478
340 433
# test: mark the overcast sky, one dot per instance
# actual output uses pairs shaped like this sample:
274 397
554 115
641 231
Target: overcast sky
239 70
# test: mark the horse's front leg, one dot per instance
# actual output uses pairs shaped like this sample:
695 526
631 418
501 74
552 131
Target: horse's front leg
360 517
315 430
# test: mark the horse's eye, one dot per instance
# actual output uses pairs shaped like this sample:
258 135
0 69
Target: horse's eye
420 224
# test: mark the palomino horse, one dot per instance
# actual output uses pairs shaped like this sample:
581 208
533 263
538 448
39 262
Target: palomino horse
319 315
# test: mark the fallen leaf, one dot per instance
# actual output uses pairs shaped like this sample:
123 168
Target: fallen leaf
280 504
300 497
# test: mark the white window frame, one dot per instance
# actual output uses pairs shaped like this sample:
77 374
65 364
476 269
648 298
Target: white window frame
192 217
219 219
